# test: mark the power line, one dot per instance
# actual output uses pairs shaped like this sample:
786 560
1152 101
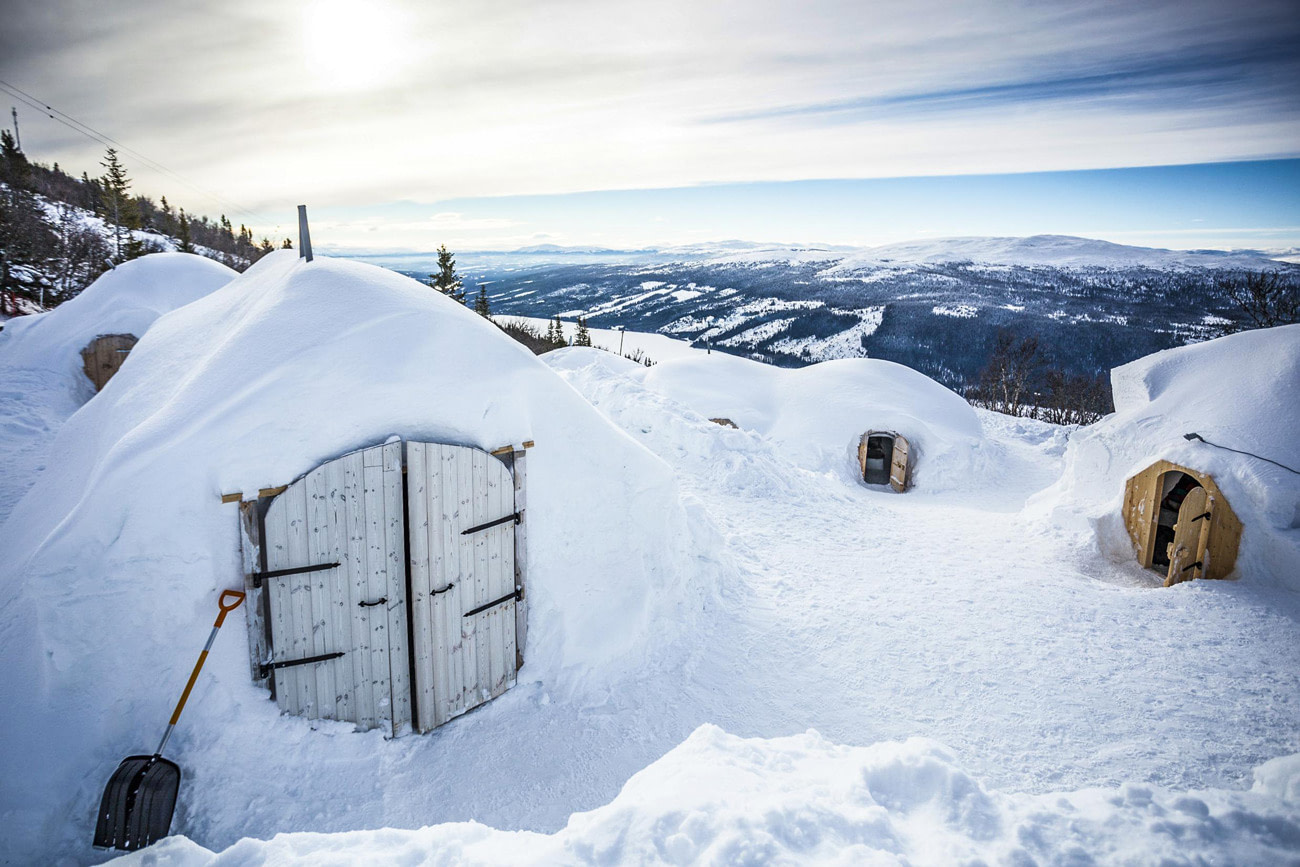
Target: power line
103 138
1196 436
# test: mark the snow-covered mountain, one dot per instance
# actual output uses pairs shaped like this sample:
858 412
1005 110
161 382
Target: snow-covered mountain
936 306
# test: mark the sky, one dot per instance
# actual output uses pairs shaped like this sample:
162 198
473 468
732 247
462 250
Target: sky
494 124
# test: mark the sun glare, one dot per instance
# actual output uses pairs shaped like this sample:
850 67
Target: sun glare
350 45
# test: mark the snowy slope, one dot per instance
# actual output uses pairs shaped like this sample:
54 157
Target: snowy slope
1240 391
719 799
111 564
1064 251
42 380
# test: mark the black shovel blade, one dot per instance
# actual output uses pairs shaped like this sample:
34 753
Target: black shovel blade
138 803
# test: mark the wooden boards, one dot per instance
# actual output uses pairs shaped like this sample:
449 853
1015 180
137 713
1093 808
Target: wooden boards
104 355
898 466
387 597
349 511
1217 536
885 457
463 588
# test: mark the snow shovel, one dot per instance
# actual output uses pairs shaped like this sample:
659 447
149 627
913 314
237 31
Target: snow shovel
140 798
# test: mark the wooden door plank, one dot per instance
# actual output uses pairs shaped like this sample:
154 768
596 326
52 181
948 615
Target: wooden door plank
300 592
358 589
345 684
322 592
899 464
277 534
419 602
518 554
1187 532
399 658
376 587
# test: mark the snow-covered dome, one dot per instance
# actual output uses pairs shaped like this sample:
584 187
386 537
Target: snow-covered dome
1241 391
125 300
112 564
815 415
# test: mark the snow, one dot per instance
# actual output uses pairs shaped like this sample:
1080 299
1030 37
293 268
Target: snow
817 414
987 679
113 560
721 799
1240 391
656 347
1064 251
42 380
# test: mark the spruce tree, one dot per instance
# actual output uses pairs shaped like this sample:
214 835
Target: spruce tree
186 245
119 208
559 338
446 280
481 303
583 337
287 245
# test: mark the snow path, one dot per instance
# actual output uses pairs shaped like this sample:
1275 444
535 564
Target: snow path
863 614
877 616
34 404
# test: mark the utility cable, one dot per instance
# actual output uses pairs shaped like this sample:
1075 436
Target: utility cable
91 133
1196 436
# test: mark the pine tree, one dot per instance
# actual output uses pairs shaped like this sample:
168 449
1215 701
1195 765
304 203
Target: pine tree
186 245
559 339
287 245
583 337
550 332
446 280
481 303
119 208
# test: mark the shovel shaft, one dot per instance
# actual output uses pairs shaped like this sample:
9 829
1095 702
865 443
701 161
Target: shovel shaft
235 597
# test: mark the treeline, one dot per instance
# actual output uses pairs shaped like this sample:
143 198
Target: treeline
49 251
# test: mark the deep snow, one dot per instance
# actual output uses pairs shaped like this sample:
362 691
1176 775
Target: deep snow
776 594
41 377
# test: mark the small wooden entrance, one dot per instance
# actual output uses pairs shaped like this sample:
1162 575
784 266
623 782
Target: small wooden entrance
1180 523
104 355
390 595
884 457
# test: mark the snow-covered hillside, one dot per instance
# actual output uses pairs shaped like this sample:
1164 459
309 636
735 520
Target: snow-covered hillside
936 306
988 680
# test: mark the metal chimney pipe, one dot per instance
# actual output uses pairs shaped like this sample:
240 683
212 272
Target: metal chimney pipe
304 234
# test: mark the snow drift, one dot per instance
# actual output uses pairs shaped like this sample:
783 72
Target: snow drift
1240 391
816 415
112 564
42 380
720 799
125 300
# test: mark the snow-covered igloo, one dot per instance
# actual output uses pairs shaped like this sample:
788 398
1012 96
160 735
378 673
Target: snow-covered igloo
110 567
1195 428
827 417
93 332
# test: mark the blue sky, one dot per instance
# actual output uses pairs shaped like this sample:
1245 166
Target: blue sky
616 122
1218 205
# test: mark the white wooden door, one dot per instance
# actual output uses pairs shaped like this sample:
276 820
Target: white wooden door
463 604
352 615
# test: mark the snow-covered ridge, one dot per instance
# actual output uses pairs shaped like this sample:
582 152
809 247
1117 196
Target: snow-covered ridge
721 799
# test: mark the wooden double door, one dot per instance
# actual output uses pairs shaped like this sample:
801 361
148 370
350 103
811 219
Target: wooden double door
390 591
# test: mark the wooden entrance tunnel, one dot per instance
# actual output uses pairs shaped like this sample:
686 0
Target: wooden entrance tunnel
1180 523
104 355
885 457
387 585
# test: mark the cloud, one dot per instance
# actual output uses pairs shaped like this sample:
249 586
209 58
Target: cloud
438 101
